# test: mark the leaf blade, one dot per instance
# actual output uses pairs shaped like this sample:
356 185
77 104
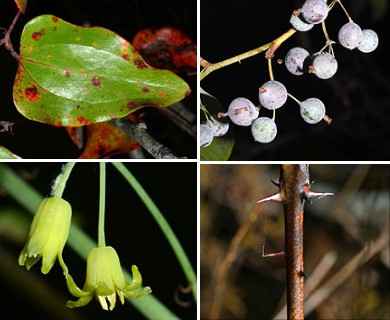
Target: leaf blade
73 76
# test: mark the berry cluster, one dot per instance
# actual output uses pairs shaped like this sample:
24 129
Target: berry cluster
273 94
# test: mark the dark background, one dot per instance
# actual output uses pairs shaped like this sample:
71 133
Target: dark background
129 228
125 17
356 98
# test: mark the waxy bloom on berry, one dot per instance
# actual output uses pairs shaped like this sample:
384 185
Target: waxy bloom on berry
105 280
48 234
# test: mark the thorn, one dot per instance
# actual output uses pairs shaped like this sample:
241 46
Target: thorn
307 193
276 183
320 195
276 198
303 274
275 254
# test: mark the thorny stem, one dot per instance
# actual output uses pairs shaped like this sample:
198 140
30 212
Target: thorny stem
294 179
210 67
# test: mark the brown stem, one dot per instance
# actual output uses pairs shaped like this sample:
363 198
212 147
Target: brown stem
294 186
7 41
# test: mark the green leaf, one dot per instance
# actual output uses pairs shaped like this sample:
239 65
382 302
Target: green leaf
74 76
221 147
6 154
219 150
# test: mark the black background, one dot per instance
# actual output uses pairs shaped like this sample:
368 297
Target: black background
357 97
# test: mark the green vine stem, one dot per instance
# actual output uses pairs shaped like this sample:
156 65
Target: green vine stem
161 221
78 240
210 67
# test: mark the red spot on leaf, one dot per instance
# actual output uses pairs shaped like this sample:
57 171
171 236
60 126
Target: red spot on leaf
132 105
67 73
82 121
145 89
139 63
55 19
96 82
126 57
37 35
32 93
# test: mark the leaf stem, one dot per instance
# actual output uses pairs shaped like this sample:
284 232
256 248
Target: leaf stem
102 203
59 183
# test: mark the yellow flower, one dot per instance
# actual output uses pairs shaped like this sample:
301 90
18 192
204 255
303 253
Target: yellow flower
48 234
105 280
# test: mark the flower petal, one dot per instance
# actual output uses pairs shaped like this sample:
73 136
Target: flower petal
81 302
74 289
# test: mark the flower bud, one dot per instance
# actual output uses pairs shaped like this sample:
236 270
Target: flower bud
48 234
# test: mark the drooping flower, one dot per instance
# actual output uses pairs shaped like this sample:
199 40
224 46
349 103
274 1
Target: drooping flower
105 280
48 234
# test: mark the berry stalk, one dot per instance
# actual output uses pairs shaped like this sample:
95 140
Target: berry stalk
210 67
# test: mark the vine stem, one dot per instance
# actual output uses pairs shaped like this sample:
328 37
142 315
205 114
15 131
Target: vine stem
139 132
102 204
210 67
6 40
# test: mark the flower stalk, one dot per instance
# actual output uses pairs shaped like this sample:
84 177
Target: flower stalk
59 183
102 203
